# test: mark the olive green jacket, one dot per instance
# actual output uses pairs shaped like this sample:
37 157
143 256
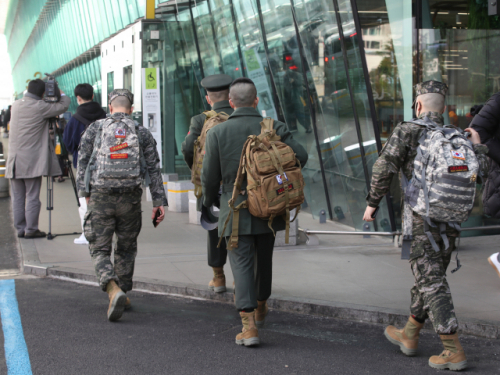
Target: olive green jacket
223 146
195 128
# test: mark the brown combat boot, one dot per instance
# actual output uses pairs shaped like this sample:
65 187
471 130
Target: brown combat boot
261 313
406 338
249 336
116 301
452 357
218 283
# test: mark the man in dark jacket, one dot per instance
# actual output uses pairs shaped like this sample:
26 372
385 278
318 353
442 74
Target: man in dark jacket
217 87
487 123
255 239
87 112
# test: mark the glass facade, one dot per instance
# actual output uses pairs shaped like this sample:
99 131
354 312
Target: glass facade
44 36
306 60
339 73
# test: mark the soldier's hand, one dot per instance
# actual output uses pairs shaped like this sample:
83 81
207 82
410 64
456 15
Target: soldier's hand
87 199
162 214
474 136
368 213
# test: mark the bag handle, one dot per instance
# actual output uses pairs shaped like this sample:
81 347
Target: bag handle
266 125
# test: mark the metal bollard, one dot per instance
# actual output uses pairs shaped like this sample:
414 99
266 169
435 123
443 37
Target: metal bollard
322 217
4 183
366 228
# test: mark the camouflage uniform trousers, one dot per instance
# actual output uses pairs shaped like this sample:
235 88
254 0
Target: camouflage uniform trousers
431 295
108 214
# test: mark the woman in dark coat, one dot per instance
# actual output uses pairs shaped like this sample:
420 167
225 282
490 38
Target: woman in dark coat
487 123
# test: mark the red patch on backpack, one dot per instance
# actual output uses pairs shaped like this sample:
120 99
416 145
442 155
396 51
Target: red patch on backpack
118 156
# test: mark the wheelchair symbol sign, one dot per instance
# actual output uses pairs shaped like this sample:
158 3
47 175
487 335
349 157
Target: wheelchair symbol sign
151 79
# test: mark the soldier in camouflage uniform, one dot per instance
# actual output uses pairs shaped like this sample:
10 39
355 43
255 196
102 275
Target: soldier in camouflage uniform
116 209
430 295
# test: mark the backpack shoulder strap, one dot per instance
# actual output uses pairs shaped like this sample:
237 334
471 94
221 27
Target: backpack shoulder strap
209 114
142 159
91 165
234 211
82 119
223 115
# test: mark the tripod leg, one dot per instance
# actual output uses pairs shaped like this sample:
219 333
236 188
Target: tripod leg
50 207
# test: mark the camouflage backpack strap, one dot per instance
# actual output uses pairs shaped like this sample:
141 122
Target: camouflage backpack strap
144 168
91 165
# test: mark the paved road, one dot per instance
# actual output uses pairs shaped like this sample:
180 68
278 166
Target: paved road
65 331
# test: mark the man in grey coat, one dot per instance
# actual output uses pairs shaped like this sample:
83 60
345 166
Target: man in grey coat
31 155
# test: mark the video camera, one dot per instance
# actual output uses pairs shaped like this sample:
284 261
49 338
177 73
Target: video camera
52 92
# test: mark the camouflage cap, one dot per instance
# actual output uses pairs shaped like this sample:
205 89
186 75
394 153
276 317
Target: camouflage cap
121 92
430 87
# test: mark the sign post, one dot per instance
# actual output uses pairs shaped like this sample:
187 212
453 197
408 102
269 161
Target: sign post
151 106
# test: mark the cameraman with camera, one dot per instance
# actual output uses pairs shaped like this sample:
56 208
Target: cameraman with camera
31 153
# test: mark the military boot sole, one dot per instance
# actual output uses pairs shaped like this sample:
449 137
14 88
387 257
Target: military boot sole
217 289
252 341
408 352
450 366
117 307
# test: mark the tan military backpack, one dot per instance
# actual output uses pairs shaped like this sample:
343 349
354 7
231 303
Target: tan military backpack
212 119
275 184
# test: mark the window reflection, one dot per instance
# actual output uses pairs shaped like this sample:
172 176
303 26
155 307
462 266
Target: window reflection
300 79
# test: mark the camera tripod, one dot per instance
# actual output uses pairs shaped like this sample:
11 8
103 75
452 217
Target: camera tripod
50 186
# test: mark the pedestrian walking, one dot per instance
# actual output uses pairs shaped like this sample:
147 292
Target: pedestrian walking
487 123
255 239
87 112
432 247
117 155
31 155
217 87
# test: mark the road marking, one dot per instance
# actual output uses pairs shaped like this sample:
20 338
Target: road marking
16 351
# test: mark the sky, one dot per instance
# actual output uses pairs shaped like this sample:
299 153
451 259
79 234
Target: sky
6 86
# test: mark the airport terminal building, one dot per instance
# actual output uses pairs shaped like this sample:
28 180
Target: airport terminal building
339 73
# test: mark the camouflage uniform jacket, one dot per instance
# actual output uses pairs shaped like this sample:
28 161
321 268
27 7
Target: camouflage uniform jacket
148 146
398 154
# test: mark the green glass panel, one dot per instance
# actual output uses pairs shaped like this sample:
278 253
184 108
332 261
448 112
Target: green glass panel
56 41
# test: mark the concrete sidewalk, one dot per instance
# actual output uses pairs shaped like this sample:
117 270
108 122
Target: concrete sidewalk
346 277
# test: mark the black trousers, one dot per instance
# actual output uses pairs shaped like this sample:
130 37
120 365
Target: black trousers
216 256
252 266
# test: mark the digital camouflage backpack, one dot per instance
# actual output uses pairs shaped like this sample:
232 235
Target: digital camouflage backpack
275 184
212 119
443 184
117 160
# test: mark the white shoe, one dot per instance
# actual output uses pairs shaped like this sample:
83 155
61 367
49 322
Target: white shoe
81 240
493 260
